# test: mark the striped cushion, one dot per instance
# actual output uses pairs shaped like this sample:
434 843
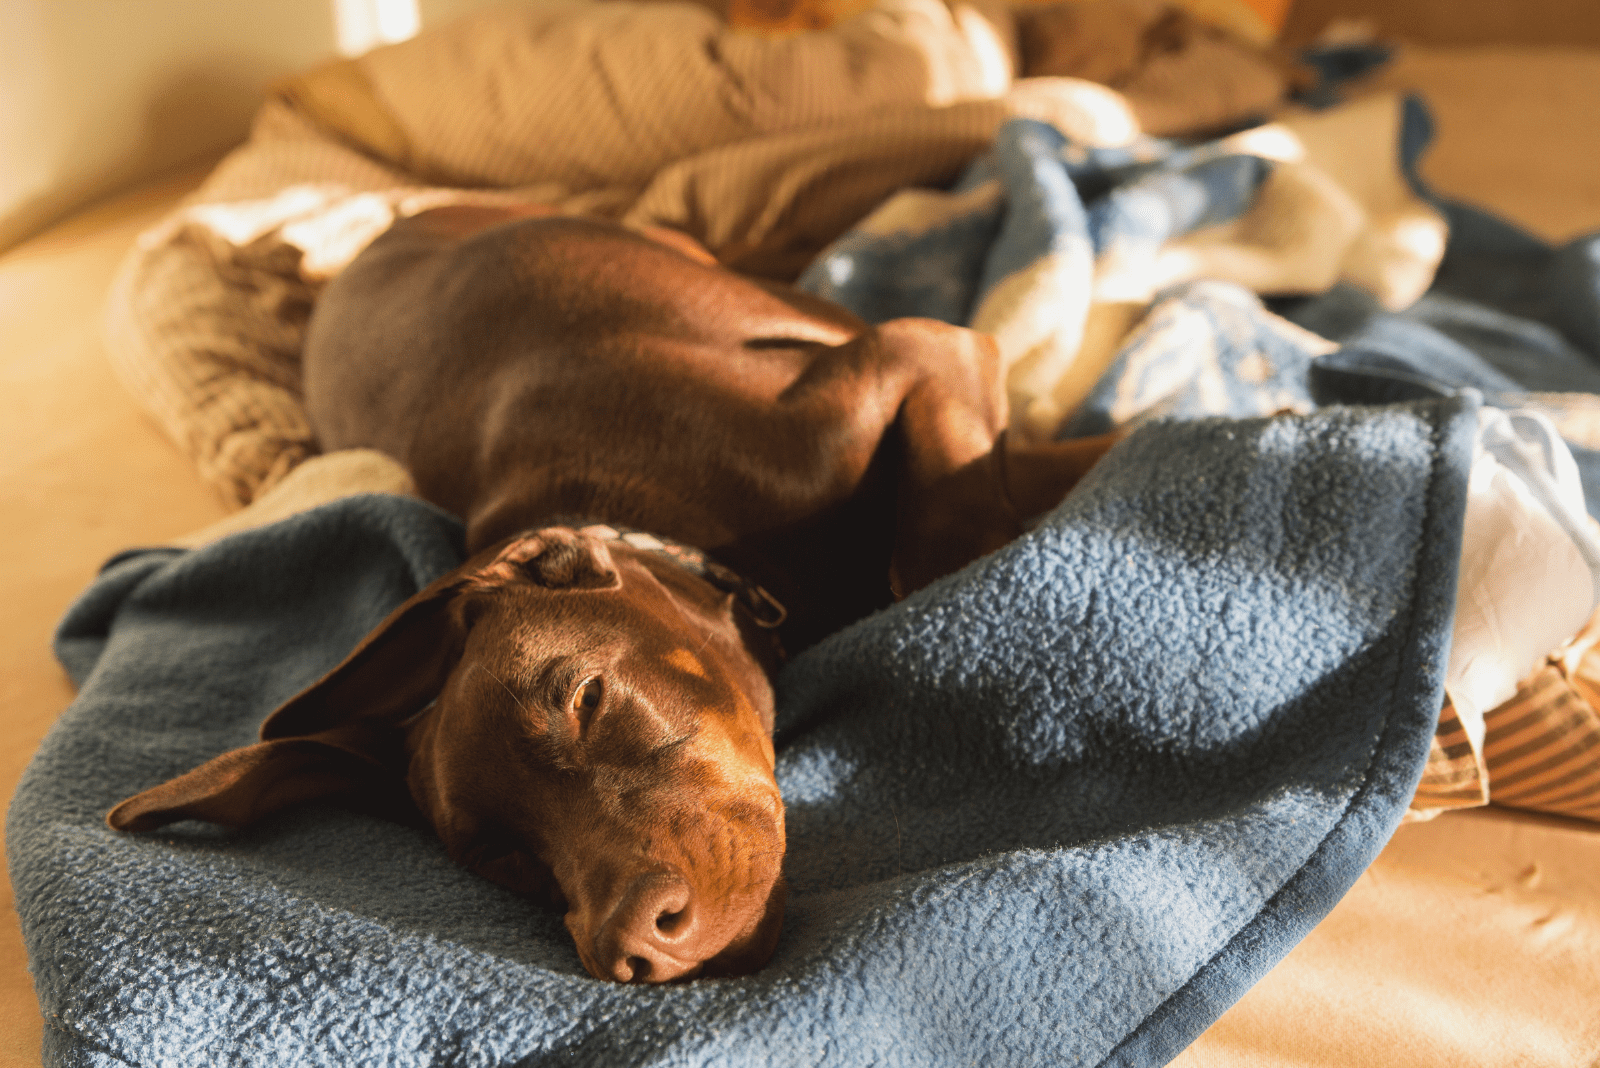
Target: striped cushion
1541 749
1454 776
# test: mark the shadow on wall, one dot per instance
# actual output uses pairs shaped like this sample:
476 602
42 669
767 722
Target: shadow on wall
100 95
193 117
202 109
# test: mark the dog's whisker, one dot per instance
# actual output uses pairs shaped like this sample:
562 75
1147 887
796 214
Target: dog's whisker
898 871
506 688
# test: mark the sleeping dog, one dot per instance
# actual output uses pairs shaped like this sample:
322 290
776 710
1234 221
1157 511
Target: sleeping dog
670 475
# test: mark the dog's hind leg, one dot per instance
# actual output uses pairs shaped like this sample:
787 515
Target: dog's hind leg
974 509
932 394
966 488
1038 476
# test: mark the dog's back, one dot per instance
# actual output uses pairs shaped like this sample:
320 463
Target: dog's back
540 367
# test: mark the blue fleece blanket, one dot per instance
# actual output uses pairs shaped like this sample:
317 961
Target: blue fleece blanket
1063 807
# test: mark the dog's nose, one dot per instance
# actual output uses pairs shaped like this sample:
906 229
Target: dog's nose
649 936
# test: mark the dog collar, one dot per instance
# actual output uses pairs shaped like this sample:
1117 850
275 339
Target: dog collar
766 609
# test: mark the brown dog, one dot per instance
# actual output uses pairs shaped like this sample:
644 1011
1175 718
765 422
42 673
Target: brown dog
584 710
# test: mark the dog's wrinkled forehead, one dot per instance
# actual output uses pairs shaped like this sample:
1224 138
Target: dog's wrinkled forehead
597 643
554 558
575 661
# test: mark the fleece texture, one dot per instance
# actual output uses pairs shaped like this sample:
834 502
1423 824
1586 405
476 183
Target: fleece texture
1063 807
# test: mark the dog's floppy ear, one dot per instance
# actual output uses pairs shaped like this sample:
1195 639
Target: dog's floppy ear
395 670
337 736
402 665
341 734
239 787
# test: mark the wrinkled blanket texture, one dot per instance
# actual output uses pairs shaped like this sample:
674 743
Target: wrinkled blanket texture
1507 316
1062 807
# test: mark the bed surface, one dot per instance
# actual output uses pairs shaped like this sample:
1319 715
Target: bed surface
1475 939
83 474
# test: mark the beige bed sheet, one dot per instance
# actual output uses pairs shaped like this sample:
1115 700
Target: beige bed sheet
1473 940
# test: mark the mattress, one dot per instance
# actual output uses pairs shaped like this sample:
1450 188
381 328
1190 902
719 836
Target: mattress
1473 939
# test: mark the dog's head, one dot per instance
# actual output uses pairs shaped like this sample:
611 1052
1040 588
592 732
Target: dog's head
578 720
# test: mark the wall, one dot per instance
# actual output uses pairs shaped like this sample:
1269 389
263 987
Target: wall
98 95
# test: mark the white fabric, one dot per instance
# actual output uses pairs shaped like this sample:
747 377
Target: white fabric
1530 562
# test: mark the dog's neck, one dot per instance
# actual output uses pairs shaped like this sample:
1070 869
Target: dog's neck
764 608
826 573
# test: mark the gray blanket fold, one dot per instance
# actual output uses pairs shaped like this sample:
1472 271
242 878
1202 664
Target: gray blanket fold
1063 807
